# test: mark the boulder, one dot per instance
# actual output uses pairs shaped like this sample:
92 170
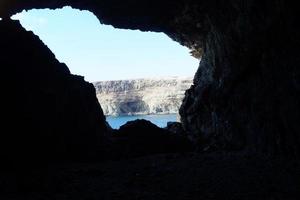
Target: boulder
141 137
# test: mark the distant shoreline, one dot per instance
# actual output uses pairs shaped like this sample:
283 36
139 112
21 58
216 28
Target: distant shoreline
148 78
157 96
135 115
160 120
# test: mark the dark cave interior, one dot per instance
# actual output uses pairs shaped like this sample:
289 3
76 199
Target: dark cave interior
239 131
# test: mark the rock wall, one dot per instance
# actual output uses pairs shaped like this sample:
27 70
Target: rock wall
246 92
142 96
47 113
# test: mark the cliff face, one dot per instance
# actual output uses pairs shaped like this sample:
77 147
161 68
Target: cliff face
142 96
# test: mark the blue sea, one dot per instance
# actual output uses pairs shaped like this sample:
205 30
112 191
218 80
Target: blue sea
159 120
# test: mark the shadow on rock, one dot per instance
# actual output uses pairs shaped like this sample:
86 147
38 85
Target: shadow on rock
141 137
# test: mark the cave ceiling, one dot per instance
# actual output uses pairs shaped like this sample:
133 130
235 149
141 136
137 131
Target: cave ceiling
178 19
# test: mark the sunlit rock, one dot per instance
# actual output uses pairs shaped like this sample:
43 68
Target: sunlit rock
142 96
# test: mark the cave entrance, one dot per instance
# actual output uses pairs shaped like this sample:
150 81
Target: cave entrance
136 74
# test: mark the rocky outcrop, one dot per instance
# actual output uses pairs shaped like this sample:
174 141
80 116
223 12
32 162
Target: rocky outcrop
246 92
142 96
47 113
245 97
176 128
141 137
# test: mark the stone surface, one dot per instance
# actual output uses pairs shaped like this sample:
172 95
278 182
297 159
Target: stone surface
47 113
141 137
246 91
142 96
245 97
163 177
176 128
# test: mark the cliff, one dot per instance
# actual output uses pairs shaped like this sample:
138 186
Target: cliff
142 96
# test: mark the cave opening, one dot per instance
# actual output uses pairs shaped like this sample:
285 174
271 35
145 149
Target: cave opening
137 75
239 136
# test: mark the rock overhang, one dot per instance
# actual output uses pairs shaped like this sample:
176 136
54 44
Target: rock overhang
245 83
165 16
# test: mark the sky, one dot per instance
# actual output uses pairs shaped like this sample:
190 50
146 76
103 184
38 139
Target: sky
100 52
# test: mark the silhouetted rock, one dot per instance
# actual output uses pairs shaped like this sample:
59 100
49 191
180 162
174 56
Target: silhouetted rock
141 137
176 128
246 91
245 97
47 113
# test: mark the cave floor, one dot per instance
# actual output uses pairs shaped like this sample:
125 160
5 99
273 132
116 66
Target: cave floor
169 176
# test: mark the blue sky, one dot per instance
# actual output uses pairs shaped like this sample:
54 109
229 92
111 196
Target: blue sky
101 52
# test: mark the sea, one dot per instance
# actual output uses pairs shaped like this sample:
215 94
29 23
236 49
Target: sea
159 120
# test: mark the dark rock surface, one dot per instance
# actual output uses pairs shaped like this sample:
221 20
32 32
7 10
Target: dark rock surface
176 128
163 177
141 137
246 91
245 97
47 113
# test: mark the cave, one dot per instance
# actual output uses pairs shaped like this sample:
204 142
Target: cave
137 75
241 115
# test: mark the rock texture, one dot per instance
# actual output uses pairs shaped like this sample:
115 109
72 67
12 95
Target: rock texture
47 113
142 96
141 137
246 92
165 177
245 97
